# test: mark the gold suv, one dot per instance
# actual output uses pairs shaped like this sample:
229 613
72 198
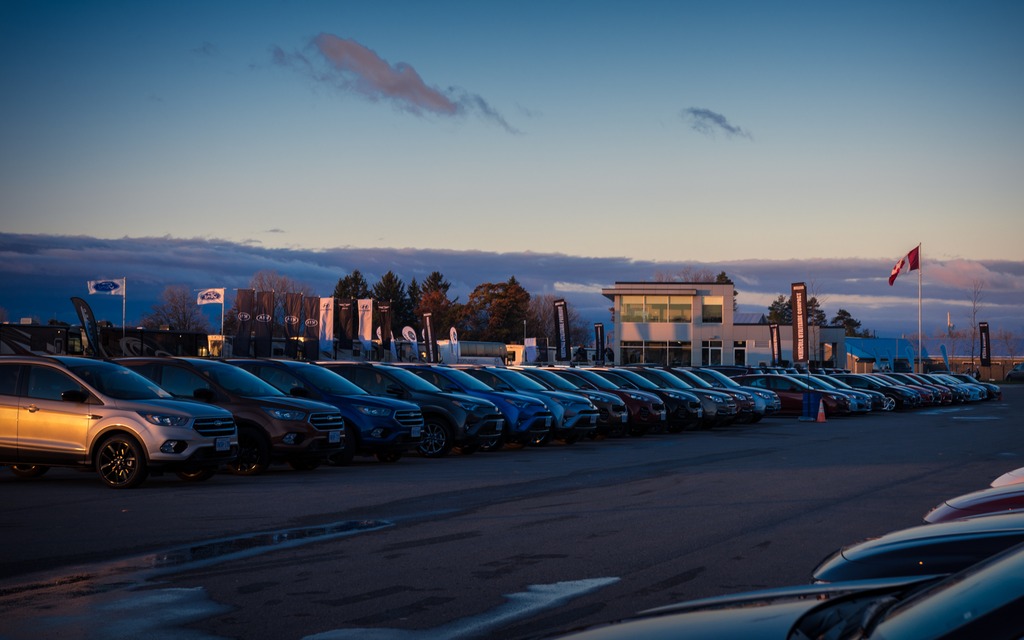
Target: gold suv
92 414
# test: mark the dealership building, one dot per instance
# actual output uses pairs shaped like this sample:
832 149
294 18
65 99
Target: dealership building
693 324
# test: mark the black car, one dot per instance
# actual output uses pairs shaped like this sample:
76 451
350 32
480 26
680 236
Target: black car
449 419
982 601
925 550
613 417
382 427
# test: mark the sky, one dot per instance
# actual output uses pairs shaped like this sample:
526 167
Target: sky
621 134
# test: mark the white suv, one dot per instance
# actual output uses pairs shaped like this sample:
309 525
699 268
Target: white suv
91 414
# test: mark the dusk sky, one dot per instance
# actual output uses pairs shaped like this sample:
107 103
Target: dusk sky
670 133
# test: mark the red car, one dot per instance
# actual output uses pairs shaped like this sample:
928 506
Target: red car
791 391
986 501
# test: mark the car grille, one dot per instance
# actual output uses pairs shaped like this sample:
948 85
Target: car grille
214 426
326 421
409 418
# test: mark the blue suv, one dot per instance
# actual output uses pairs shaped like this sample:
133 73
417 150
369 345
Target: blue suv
382 427
527 420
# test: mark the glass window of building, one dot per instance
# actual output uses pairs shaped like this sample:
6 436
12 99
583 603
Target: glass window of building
712 310
739 353
680 309
679 354
656 308
711 352
632 308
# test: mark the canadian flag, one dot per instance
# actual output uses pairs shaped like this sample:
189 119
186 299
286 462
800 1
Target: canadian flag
913 258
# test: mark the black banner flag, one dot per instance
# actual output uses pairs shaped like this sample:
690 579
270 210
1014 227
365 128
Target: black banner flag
244 299
92 332
311 328
775 344
345 309
264 317
599 343
428 338
562 330
986 345
292 323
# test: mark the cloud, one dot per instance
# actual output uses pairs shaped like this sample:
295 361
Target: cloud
355 68
39 273
708 122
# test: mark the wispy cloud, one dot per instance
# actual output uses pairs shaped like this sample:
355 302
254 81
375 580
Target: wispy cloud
352 67
708 122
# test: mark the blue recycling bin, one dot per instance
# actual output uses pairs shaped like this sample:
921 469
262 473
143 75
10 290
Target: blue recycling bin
812 400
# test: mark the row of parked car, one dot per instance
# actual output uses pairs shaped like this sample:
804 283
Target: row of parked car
193 416
842 392
958 576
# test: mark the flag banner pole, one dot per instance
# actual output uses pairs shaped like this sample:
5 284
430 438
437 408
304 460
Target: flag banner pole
920 277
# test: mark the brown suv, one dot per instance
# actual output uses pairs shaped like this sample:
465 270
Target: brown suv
90 414
272 426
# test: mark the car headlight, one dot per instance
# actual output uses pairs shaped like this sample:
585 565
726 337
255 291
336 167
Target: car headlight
637 397
377 412
167 420
285 414
718 399
468 406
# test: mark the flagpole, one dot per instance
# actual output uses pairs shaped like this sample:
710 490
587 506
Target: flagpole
124 304
920 353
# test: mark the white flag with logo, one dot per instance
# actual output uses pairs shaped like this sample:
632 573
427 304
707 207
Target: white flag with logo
107 287
327 324
210 296
366 322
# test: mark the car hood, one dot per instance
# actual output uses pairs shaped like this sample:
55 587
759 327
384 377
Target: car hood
296 403
178 406
372 401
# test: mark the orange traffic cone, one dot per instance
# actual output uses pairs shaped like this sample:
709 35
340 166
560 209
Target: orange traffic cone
821 411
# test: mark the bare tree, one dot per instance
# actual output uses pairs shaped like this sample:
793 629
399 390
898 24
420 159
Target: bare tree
686 274
177 311
1010 342
540 321
3 314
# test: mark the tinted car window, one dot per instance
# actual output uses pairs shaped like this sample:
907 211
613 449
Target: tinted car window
45 383
117 382
9 379
182 382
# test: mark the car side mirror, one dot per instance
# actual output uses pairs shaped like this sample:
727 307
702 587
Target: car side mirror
74 395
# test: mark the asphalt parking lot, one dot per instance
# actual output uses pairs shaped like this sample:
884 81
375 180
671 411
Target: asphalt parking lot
512 544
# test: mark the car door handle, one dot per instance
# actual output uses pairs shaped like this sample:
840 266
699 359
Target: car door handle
32 408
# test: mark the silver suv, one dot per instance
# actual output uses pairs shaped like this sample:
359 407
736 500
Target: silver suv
84 413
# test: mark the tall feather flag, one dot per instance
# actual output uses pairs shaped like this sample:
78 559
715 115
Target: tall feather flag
913 259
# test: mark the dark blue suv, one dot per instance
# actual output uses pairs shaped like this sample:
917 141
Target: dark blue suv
381 427
527 420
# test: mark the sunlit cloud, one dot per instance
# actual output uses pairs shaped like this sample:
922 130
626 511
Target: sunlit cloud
354 68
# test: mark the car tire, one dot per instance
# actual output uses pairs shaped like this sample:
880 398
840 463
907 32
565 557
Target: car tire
197 475
437 439
253 454
28 470
121 463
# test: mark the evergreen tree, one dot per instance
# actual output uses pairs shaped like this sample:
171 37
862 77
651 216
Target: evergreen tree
352 286
495 312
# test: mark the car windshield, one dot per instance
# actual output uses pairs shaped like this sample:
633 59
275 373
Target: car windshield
237 380
411 380
837 383
116 381
635 379
519 381
329 382
464 380
547 378
716 377
693 379
594 379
